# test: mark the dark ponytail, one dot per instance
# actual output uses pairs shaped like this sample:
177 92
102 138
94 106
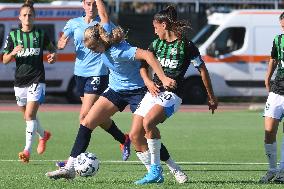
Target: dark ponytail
29 4
169 16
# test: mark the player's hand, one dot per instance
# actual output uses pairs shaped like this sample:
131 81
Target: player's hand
62 43
16 50
212 104
153 88
169 83
51 58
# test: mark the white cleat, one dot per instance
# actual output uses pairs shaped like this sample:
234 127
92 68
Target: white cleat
269 176
279 178
180 176
62 173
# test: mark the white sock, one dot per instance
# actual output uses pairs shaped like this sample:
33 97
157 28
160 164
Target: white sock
30 134
154 146
40 130
271 154
282 156
70 163
172 165
145 158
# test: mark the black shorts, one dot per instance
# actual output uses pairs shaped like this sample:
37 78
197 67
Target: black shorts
91 85
123 98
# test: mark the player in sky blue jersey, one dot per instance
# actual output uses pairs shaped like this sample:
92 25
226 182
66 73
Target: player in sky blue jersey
91 75
126 87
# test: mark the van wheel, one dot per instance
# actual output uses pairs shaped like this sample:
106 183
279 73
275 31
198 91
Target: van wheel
72 94
194 92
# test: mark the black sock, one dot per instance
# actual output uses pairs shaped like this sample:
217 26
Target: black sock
164 154
116 133
82 141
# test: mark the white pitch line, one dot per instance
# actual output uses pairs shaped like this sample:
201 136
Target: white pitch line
138 162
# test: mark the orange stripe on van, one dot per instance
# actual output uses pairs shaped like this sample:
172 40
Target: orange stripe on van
234 59
68 57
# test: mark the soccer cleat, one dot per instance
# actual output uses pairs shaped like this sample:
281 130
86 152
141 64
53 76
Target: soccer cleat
279 178
180 176
125 148
42 142
24 156
62 173
153 176
269 176
61 163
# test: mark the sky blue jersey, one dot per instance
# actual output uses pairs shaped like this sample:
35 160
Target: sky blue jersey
124 69
87 62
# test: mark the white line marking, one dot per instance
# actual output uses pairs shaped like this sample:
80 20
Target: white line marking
138 162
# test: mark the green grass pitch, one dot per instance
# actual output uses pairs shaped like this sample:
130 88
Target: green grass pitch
224 150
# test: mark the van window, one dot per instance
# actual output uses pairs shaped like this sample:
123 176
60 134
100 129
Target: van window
49 30
229 40
204 34
1 35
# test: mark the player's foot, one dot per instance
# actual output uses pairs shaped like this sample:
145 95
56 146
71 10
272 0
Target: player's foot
62 173
269 176
279 178
125 148
153 176
61 163
24 156
42 142
179 175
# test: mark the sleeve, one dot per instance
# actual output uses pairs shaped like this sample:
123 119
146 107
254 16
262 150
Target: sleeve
108 27
68 29
274 51
9 45
194 54
127 53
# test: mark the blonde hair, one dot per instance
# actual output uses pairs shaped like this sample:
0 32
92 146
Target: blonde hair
96 34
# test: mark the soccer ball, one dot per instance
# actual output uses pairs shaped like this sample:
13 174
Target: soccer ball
86 164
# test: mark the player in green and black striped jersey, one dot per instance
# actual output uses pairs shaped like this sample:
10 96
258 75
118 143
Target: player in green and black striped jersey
26 46
274 109
175 54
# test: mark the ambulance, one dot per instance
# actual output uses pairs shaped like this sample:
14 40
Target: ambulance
52 18
236 47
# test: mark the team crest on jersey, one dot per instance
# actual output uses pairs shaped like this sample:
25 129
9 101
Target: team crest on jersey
173 51
35 41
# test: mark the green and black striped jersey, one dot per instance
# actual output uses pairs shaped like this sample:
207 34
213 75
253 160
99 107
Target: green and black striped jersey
175 57
277 53
29 61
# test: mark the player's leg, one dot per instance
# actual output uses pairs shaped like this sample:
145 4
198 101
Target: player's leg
271 121
93 87
100 112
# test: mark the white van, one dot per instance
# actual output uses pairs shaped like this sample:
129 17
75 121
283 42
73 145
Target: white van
236 47
51 18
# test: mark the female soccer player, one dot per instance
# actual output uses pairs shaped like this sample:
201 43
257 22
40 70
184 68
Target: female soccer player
274 109
175 54
26 45
91 75
125 84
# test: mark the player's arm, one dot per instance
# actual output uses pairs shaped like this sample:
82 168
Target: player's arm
145 74
10 51
154 63
270 70
62 42
48 45
212 100
102 12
